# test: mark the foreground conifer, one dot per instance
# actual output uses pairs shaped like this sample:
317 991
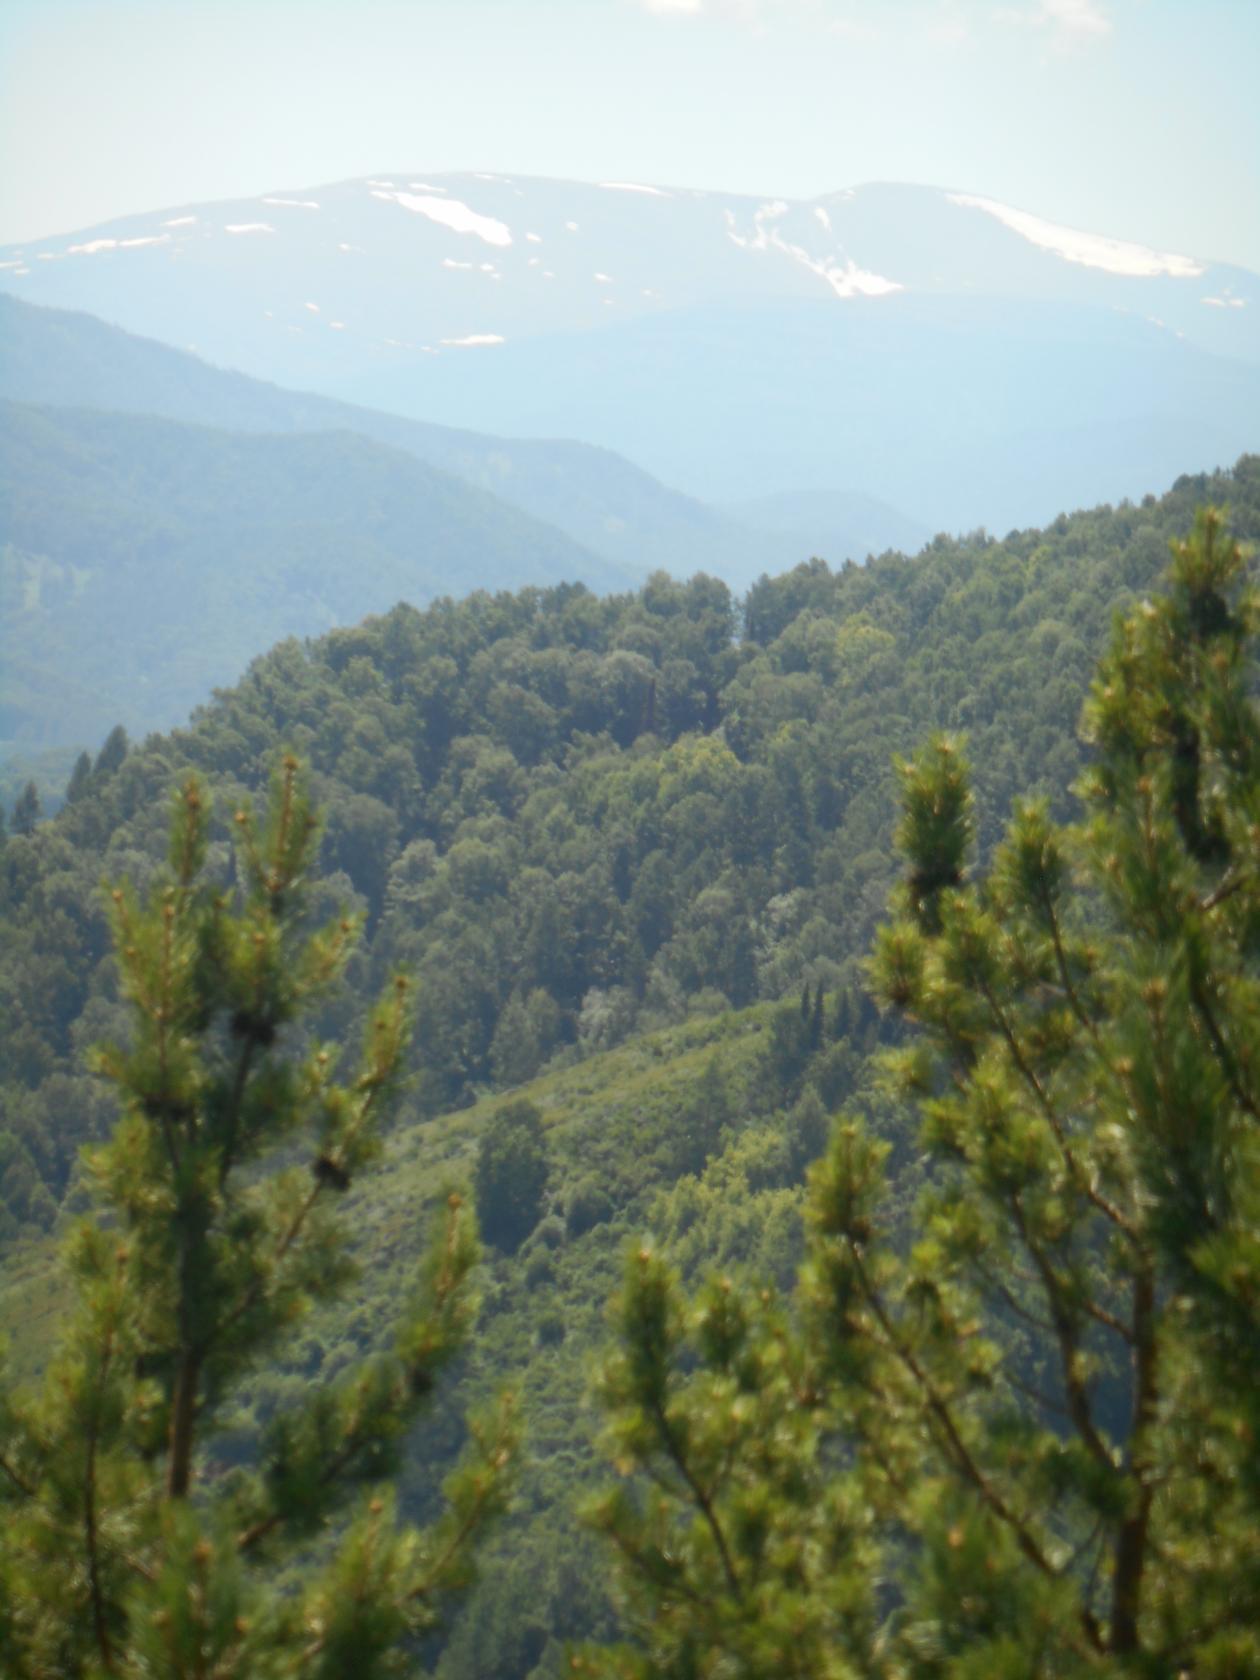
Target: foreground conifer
1023 1437
124 1550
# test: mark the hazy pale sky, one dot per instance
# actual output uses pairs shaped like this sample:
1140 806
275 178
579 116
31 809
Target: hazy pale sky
1136 118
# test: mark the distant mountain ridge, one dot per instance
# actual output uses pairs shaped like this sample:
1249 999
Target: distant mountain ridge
146 561
318 283
598 499
960 359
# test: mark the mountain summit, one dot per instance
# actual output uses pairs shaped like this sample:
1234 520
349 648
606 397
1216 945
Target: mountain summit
962 359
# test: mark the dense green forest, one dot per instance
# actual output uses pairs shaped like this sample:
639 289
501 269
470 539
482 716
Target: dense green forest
576 818
633 851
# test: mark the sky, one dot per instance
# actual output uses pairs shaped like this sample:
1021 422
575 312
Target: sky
1134 118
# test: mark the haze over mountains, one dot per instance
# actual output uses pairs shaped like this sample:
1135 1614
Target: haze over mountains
964 362
164 522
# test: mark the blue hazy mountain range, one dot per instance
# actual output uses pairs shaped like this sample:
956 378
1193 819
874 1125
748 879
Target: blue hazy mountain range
958 359
615 510
163 522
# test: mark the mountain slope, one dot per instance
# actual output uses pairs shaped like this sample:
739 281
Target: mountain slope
307 286
146 562
836 524
586 825
958 411
599 499
885 339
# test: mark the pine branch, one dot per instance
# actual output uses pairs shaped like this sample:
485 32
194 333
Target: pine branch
1131 1544
1067 1343
25 1488
1080 1178
1223 1052
704 1502
963 1459
100 1625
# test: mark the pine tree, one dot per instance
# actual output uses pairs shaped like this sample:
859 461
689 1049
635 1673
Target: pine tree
126 1551
113 752
80 776
27 810
1023 1438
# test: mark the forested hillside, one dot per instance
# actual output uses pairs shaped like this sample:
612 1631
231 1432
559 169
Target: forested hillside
53 357
633 850
577 818
146 562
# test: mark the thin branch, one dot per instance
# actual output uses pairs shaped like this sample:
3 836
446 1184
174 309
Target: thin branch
100 1624
1226 888
340 1462
291 1235
1035 1395
451 1550
635 1556
19 1481
1223 1052
1028 1074
957 1447
1016 1306
1132 1540
1070 992
703 1500
235 1103
1066 1338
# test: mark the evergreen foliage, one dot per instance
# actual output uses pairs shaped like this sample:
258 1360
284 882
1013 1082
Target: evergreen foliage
113 751
27 810
80 778
1026 1440
130 1546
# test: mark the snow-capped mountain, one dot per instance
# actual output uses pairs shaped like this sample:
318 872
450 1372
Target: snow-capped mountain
907 342
307 283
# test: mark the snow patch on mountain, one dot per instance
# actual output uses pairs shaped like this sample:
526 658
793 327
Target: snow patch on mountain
451 213
475 338
633 186
294 203
845 277
92 246
1092 250
180 221
249 227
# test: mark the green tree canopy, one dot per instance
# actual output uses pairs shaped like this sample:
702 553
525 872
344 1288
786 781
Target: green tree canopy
1019 1435
511 1174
